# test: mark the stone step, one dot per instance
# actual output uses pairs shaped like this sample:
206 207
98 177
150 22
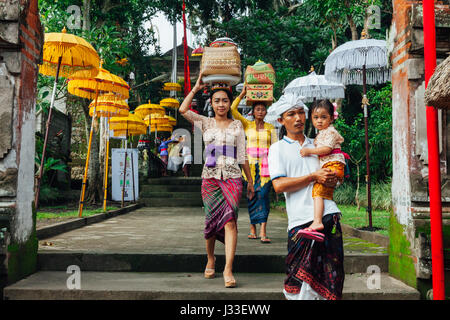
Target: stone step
170 195
174 181
170 262
179 201
51 285
172 202
170 188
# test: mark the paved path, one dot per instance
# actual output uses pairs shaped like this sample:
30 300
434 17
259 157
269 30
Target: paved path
177 231
159 253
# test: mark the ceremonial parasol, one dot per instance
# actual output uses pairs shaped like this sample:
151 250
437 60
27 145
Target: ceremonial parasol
171 86
363 62
163 128
172 121
145 110
107 106
156 121
169 103
87 87
132 124
63 54
314 86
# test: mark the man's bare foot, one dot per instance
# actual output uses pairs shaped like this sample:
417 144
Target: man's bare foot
318 226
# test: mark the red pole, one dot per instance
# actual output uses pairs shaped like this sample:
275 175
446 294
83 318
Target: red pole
434 175
187 76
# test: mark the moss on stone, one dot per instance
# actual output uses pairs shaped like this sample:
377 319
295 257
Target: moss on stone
401 261
363 246
22 258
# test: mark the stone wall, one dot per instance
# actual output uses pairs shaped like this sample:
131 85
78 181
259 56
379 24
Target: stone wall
21 40
409 251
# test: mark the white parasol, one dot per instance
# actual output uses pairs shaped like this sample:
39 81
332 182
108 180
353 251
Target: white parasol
314 86
345 64
363 62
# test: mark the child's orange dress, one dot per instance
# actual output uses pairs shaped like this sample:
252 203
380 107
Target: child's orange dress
335 161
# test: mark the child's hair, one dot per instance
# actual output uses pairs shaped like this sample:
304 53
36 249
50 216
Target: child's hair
325 104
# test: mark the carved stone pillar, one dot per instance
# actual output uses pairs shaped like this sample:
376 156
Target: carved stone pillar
409 252
21 40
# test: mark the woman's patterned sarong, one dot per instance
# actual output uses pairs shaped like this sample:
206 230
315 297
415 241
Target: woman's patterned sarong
221 202
259 205
320 264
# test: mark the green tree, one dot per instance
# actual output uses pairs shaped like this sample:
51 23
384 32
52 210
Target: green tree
115 29
351 126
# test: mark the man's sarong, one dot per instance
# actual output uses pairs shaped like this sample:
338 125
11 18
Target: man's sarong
221 201
259 205
320 264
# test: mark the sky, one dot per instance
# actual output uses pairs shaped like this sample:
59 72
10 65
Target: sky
165 35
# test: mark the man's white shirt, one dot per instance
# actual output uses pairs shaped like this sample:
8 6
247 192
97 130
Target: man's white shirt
285 161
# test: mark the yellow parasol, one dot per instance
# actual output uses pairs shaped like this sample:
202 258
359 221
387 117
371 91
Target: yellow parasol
162 128
171 86
144 110
132 124
133 132
158 120
80 84
108 105
172 121
170 103
63 54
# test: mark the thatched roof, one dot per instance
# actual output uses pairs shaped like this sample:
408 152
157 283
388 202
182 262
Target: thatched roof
437 93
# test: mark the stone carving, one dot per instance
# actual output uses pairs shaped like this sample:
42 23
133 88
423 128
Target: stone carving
6 111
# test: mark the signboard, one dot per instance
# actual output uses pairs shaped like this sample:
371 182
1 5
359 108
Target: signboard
117 170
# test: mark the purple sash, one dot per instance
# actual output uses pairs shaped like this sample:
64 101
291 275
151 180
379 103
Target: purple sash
213 152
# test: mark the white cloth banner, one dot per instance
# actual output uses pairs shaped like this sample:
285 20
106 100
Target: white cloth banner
117 169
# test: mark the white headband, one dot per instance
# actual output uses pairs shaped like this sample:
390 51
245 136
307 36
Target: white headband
286 102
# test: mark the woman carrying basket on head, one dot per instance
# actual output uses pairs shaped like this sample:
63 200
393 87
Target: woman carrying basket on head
222 179
260 136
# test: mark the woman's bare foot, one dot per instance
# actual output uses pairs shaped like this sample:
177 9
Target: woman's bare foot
210 269
211 263
228 278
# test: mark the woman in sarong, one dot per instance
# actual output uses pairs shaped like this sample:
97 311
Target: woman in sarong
260 135
222 180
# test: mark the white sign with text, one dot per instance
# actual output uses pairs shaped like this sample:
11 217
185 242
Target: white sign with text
117 171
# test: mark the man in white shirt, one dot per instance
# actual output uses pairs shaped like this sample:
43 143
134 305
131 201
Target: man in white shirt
314 269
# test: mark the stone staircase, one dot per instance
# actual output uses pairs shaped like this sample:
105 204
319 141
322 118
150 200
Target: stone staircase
158 253
174 192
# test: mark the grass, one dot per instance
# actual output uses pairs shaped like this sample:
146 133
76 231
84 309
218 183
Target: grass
358 218
381 195
64 213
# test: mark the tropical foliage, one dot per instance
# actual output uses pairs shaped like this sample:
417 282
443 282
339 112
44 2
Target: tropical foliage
291 35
